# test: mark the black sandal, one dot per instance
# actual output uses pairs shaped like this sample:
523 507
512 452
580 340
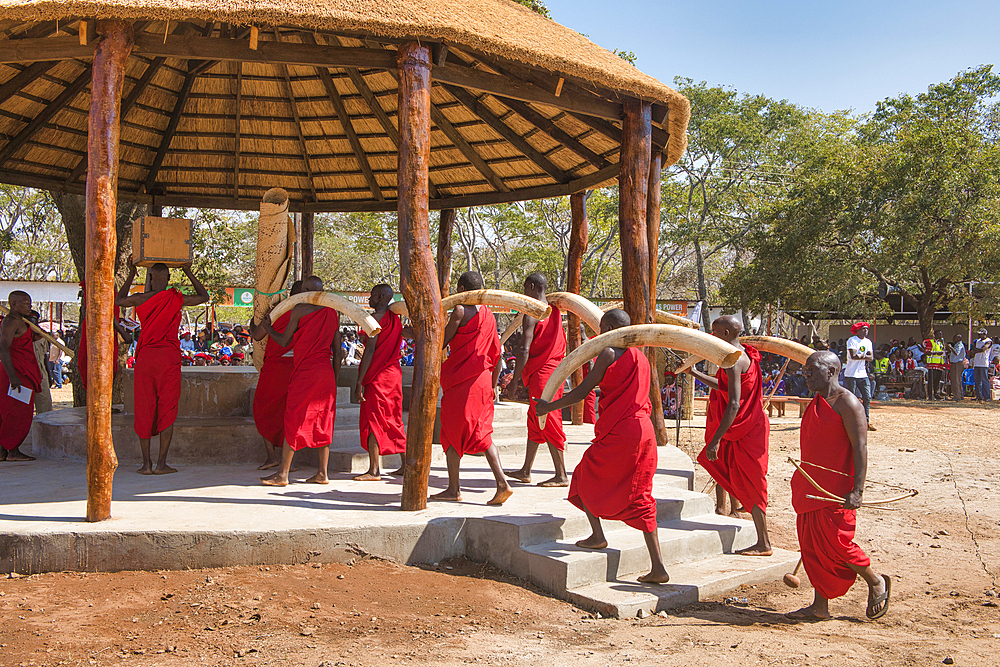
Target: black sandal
875 611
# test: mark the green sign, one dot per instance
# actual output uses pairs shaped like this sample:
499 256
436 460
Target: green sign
243 296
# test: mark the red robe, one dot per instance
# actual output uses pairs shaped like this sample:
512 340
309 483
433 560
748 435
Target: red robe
589 403
467 381
311 407
272 387
158 363
614 479
382 409
548 347
826 530
15 416
741 468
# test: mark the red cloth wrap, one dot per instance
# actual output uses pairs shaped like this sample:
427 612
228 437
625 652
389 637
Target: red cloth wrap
467 381
81 351
15 416
614 479
589 403
548 347
382 409
157 380
741 468
311 406
826 530
272 387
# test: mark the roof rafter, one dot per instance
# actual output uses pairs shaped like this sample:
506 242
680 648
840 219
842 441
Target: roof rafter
468 151
236 146
550 128
24 77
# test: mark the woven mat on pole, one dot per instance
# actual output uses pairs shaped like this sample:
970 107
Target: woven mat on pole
275 239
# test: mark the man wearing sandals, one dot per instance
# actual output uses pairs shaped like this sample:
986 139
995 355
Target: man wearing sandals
834 443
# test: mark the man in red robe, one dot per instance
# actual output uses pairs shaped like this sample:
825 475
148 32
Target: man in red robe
157 379
272 387
21 375
311 405
543 346
834 443
614 480
380 387
467 380
589 403
736 434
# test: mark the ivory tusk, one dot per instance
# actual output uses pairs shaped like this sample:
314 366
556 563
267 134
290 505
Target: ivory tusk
496 297
714 349
511 328
661 316
38 330
329 300
783 348
584 308
399 307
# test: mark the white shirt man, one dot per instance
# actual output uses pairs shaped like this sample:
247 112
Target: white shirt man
860 351
983 347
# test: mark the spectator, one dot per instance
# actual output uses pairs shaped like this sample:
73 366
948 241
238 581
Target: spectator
56 364
859 352
187 344
916 349
956 356
934 359
981 362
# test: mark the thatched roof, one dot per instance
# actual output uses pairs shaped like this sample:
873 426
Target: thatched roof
522 107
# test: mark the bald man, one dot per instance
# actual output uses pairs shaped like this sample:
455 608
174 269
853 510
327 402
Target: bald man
543 346
834 444
157 377
21 375
736 434
614 480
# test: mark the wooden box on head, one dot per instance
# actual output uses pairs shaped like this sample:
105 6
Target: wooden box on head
161 240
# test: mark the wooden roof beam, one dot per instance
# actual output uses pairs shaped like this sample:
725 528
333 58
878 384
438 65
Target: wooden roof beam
54 107
468 151
298 129
239 114
24 77
345 122
556 132
168 134
520 143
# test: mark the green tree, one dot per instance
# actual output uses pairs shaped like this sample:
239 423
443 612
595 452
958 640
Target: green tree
909 201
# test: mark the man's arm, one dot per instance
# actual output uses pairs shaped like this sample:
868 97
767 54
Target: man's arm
122 298
729 414
578 393
284 339
337 357
705 378
201 294
528 325
851 411
454 321
366 362
6 338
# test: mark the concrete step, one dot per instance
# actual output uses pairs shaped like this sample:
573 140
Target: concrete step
561 565
690 582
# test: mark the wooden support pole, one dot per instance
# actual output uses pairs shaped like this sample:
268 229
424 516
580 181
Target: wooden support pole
445 227
653 242
417 273
578 239
633 182
306 241
115 40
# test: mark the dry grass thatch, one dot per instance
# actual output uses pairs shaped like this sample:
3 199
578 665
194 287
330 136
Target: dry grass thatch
324 134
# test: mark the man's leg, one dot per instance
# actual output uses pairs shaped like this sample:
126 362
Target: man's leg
524 474
373 474
280 478
763 546
166 435
453 492
596 539
559 462
273 457
720 500
818 610
503 488
657 573
957 390
866 395
147 461
876 583
324 462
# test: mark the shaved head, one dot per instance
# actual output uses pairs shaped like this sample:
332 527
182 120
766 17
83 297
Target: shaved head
470 280
18 295
296 287
380 297
822 369
728 328
615 318
383 288
312 284
825 359
536 280
20 303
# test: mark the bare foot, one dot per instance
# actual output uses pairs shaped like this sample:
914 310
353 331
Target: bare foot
721 511
274 480
592 543
398 473
519 475
18 456
368 477
756 550
448 494
655 577
555 481
872 428
268 464
145 470
164 470
501 496
319 478
807 614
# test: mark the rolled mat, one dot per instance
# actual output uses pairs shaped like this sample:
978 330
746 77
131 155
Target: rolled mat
275 239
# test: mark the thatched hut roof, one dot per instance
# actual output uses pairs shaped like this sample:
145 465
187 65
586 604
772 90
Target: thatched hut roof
522 107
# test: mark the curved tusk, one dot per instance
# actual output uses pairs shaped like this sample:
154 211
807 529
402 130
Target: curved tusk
399 307
779 346
497 297
661 316
588 311
330 300
511 328
714 349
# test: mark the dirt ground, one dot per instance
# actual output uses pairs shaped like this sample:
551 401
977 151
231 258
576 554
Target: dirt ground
941 548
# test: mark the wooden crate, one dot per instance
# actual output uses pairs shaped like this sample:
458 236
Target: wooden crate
163 240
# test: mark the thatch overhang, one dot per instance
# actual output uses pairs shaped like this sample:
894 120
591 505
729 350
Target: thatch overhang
225 100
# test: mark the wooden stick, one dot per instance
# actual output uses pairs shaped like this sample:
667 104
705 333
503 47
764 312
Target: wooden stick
38 330
511 328
832 497
107 82
784 366
418 275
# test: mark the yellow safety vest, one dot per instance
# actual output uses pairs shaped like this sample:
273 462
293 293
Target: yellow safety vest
882 365
936 355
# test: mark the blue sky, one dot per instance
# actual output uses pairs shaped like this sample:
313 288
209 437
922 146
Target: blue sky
831 55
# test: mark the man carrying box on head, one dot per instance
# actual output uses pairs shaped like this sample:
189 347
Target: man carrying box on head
158 358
